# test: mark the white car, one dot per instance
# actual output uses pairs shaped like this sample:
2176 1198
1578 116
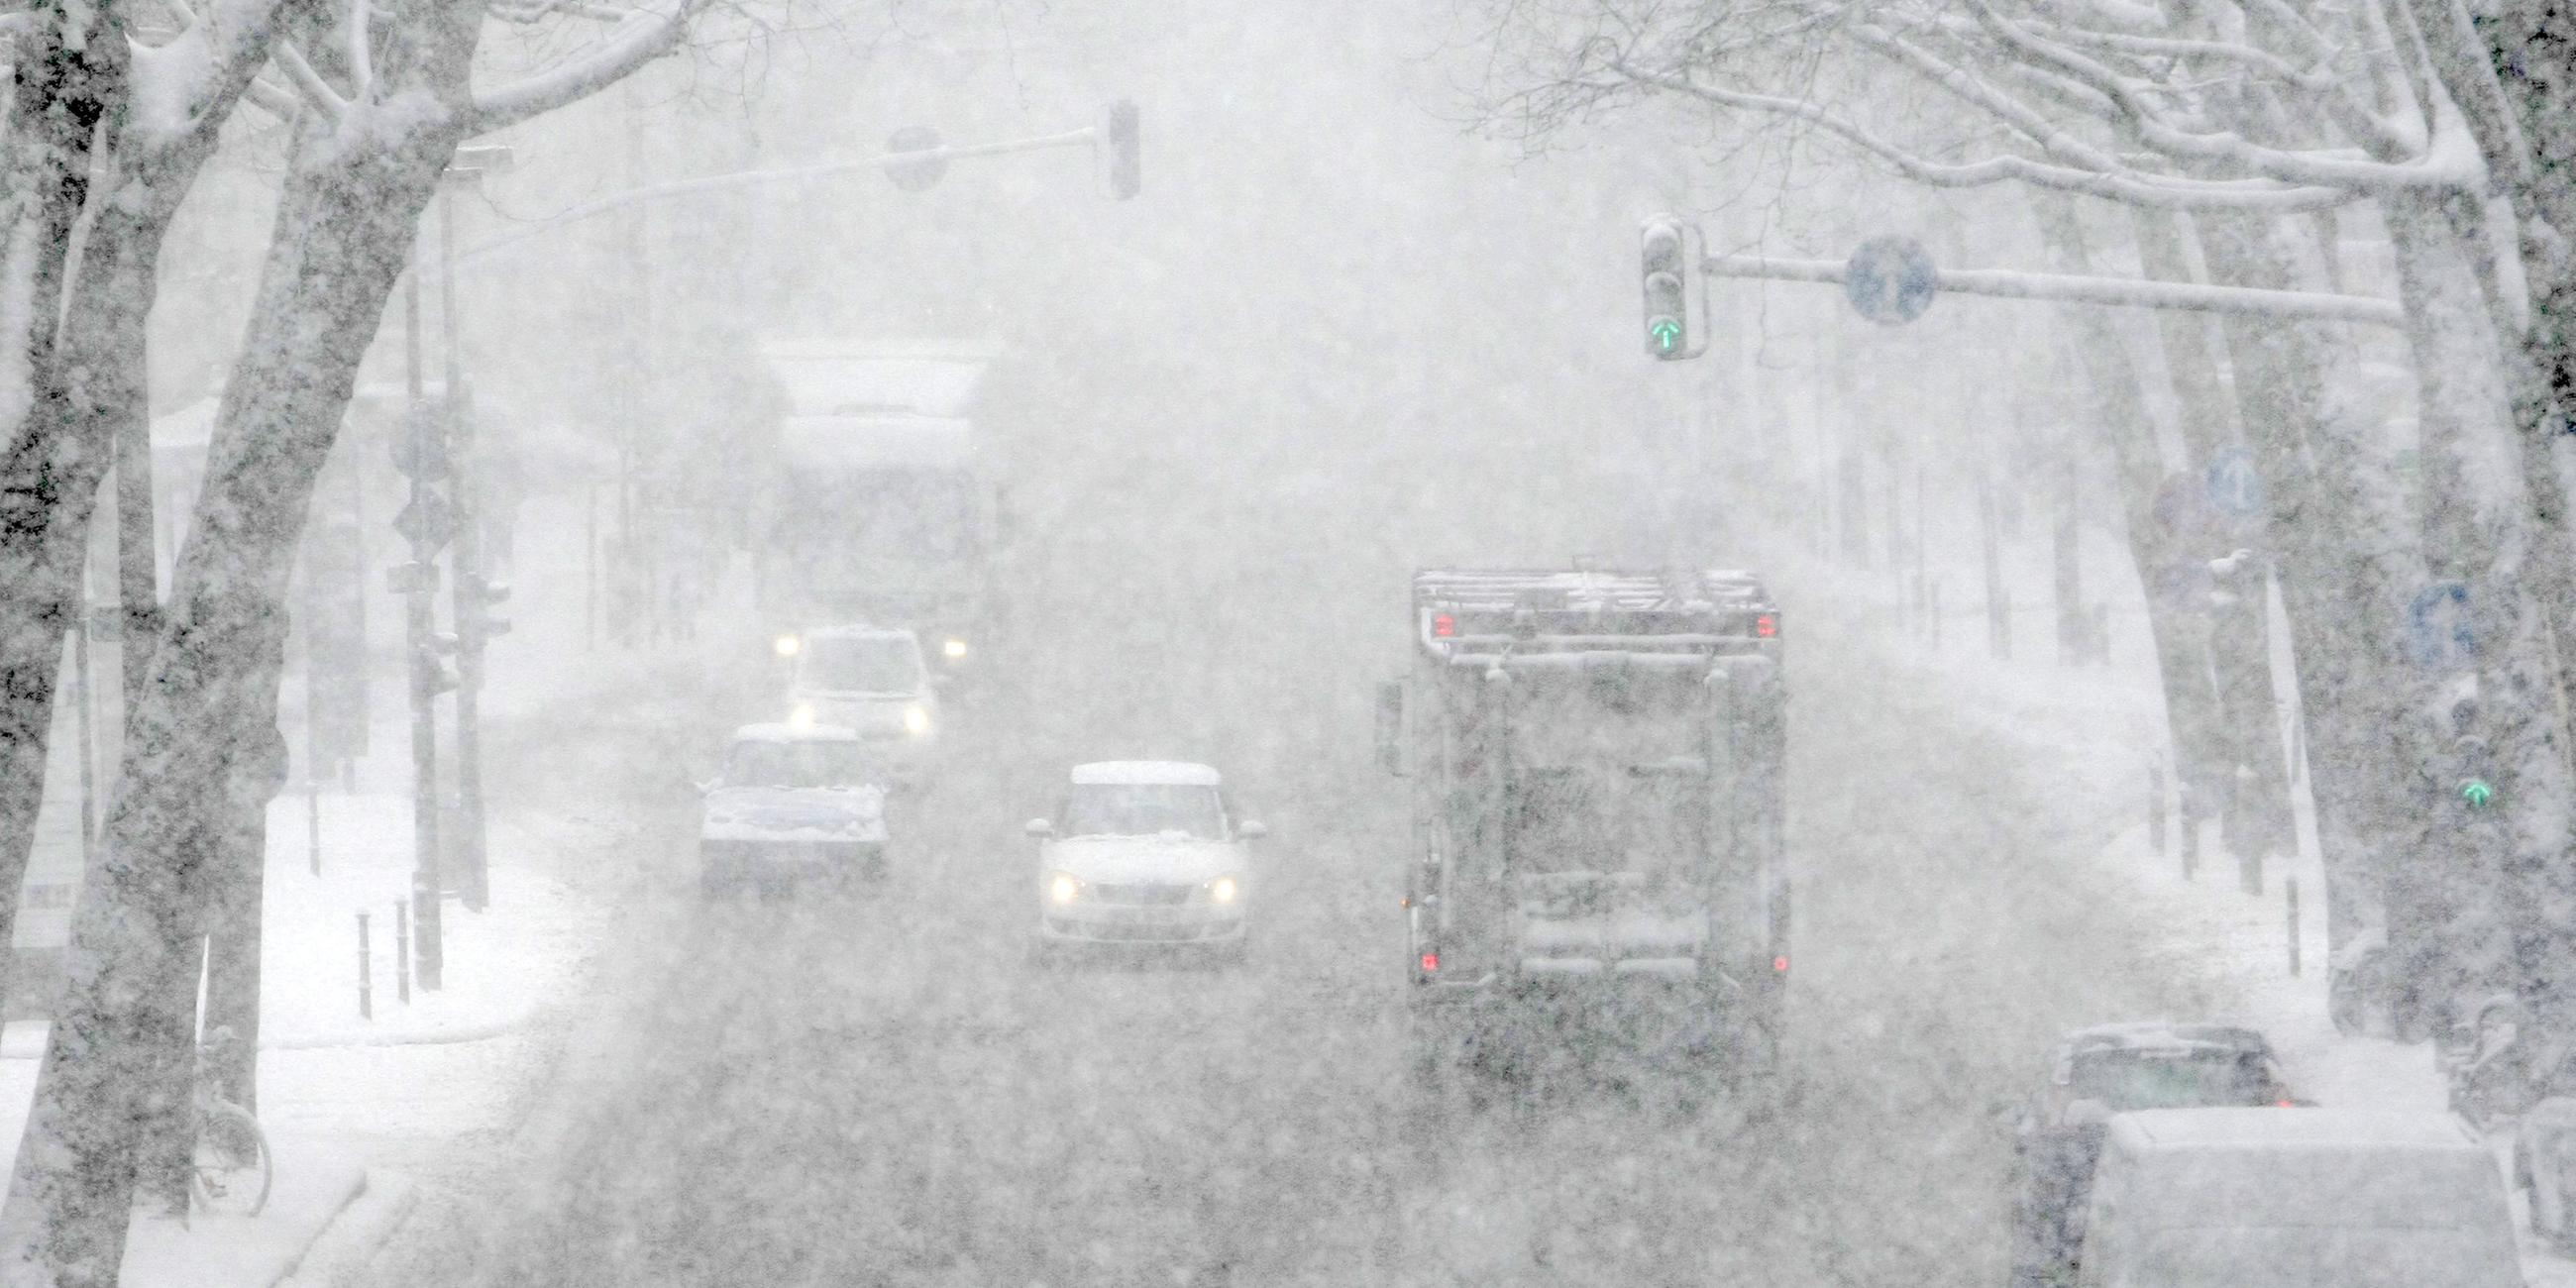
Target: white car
793 803
1144 853
869 679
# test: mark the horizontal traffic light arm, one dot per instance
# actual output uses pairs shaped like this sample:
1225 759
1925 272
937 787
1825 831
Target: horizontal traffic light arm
1081 138
2117 291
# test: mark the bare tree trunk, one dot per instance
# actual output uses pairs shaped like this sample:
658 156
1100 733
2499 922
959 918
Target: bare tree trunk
72 77
2479 530
2338 531
344 224
2179 627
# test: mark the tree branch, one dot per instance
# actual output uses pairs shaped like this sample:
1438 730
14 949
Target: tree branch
308 82
638 41
2121 185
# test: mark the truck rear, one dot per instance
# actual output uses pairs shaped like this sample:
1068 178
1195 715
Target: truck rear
1597 871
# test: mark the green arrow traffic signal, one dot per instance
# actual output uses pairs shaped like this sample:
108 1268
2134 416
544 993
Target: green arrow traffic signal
2477 793
1667 334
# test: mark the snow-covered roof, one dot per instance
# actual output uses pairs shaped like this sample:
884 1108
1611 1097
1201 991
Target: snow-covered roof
2157 1129
841 377
1101 773
795 733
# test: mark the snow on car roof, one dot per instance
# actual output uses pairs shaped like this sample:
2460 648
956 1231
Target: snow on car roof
1142 772
795 733
2163 1034
2363 1128
860 633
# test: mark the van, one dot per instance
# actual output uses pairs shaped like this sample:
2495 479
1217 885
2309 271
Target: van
2296 1198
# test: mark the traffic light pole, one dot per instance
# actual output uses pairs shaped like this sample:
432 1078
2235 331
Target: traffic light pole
1119 134
2127 292
467 608
419 623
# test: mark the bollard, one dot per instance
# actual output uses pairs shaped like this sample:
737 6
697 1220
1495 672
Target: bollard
2156 807
402 951
366 991
2291 884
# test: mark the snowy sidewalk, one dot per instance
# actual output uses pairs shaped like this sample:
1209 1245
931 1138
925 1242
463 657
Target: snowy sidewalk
2104 725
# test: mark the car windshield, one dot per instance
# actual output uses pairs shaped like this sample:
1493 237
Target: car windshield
798 764
2125 1080
860 664
1144 809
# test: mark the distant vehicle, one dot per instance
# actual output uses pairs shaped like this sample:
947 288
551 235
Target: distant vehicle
1145 853
2544 1166
2101 1071
793 804
883 501
871 680
2297 1198
1598 874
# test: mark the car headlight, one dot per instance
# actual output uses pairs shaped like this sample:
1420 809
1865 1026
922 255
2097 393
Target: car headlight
916 720
802 717
1223 890
788 645
954 650
1063 887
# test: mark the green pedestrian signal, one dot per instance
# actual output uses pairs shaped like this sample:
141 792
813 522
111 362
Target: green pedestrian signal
2477 793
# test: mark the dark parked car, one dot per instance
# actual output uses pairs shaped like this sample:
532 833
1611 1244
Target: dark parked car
2101 1071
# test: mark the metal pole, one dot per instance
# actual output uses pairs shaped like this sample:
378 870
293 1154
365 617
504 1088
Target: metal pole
2292 885
418 623
2156 808
402 952
590 567
366 980
469 604
2117 291
313 720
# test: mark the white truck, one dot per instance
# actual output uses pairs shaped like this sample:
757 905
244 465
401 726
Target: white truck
883 502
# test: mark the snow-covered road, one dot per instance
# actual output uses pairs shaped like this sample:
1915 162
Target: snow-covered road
880 1090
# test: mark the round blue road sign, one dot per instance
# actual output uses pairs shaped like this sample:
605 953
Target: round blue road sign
1891 280
2234 486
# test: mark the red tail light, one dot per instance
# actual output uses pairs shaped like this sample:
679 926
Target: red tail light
1766 626
2285 1104
1430 963
1780 965
1443 627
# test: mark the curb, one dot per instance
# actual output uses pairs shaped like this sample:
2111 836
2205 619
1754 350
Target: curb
354 1234
445 1036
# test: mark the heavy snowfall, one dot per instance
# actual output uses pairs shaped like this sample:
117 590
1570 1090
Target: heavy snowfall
989 642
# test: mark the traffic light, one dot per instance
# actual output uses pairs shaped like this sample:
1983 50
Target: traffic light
1669 254
480 596
1126 162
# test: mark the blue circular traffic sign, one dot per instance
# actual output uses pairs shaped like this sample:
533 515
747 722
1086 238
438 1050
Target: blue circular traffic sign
1891 280
2440 632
